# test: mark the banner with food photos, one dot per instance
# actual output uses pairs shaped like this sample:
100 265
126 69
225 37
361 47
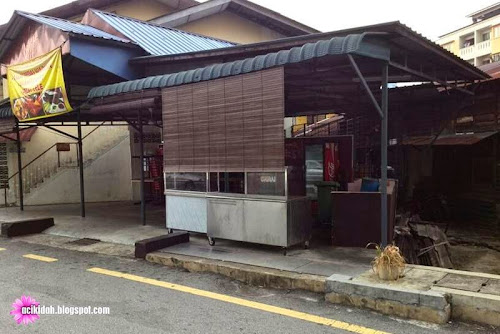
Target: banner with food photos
37 89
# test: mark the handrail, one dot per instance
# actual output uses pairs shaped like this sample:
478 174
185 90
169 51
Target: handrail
41 154
47 150
36 158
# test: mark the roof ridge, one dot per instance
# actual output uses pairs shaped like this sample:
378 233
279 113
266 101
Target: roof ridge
159 26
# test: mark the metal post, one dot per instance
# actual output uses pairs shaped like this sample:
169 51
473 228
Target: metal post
383 153
141 148
19 168
80 165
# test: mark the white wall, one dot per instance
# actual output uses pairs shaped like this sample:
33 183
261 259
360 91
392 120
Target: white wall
107 179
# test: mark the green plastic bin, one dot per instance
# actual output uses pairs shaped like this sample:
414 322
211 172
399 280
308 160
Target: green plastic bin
325 200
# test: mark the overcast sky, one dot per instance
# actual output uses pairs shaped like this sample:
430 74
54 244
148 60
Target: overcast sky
431 18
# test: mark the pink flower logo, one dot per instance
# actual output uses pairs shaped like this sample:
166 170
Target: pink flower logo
19 310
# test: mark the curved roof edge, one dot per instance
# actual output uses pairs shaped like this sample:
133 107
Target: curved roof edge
354 44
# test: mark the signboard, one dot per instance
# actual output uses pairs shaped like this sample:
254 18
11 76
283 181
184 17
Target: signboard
37 89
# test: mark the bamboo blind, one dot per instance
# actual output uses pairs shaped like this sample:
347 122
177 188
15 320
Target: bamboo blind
232 124
7 125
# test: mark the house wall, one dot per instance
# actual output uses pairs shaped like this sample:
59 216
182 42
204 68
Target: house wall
231 27
139 9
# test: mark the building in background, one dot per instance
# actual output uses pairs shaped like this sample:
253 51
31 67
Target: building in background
479 42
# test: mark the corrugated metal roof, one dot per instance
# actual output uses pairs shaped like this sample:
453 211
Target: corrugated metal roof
335 46
448 139
158 40
71 27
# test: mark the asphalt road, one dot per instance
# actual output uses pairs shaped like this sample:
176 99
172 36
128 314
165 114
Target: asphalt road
143 303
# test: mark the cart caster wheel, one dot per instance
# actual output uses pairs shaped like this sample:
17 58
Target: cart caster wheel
211 241
306 244
170 231
284 251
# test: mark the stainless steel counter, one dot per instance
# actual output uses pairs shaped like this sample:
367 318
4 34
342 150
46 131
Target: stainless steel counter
269 220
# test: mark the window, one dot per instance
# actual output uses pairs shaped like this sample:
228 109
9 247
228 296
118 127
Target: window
266 183
4 171
186 181
486 36
224 182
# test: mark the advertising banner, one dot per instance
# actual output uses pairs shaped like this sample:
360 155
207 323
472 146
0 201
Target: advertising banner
36 88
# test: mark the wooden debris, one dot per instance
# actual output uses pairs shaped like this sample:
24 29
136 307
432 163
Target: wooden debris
422 242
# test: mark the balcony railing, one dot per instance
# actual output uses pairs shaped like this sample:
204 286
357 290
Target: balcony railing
467 51
477 50
484 47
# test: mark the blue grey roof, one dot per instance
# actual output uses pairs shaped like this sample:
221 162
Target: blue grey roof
336 46
158 40
71 27
6 111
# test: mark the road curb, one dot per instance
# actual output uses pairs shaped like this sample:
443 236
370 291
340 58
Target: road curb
473 306
429 306
253 275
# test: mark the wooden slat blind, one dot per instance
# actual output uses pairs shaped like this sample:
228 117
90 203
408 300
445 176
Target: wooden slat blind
7 125
232 124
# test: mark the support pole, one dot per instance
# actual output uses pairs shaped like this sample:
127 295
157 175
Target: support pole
80 165
141 145
383 153
19 168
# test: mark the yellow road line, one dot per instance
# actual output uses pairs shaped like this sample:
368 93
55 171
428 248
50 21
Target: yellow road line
242 302
39 258
2 249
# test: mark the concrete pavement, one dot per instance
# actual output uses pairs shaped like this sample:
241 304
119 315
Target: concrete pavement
115 222
140 307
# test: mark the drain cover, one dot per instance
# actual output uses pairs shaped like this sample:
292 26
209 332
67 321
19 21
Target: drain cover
84 242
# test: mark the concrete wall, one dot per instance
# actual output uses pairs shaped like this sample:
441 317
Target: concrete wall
100 154
106 179
231 27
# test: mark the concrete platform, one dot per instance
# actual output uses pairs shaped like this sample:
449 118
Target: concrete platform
114 222
318 260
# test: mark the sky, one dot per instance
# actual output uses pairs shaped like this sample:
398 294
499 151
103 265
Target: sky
431 18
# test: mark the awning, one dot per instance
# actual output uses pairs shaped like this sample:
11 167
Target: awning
25 135
448 140
356 44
